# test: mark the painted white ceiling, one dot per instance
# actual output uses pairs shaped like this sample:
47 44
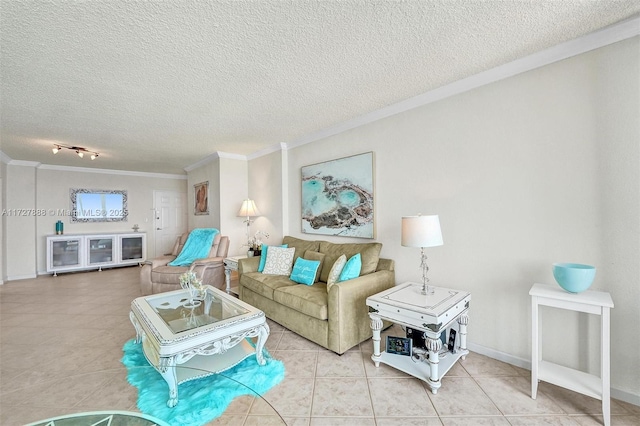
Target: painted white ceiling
158 86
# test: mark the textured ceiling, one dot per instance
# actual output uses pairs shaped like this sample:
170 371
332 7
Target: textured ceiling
158 86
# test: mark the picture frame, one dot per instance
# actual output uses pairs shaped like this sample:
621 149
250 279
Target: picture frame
338 197
201 198
399 345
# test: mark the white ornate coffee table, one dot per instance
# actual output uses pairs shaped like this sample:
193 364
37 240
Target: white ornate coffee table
432 314
209 338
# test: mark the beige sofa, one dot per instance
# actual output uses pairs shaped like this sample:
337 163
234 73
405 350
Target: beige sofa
157 276
336 320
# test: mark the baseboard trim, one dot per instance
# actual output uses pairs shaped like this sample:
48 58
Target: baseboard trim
21 277
526 364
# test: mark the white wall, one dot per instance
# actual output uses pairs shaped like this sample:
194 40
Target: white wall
227 188
265 188
535 169
20 229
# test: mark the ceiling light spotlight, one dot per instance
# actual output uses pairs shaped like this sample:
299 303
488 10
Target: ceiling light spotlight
78 150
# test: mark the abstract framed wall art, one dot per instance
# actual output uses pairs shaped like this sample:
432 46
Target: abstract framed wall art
337 197
201 197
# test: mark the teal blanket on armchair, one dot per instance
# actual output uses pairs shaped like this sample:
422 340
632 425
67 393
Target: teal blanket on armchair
197 246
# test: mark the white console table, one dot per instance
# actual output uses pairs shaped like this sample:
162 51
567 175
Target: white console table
591 302
77 252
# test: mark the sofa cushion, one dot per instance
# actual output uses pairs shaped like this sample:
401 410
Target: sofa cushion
315 255
263 256
304 271
336 269
168 274
279 261
351 269
370 253
265 285
310 300
301 245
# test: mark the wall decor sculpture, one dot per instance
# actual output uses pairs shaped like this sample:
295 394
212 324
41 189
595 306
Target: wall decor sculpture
201 197
337 197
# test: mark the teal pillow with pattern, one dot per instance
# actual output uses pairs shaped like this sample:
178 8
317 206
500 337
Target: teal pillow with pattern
304 271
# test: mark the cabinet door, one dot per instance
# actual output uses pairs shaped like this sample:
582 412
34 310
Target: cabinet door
100 249
65 253
132 248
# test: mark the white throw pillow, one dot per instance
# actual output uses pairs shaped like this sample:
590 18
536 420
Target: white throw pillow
335 271
279 261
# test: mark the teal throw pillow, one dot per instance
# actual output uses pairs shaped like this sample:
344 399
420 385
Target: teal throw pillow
263 256
304 271
351 269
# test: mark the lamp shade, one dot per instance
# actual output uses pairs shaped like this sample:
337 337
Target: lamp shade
248 209
421 231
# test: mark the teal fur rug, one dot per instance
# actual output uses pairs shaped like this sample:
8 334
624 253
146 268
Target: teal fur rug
197 246
201 400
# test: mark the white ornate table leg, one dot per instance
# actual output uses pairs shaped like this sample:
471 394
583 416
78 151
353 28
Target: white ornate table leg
376 326
463 321
134 321
227 278
434 346
167 369
263 334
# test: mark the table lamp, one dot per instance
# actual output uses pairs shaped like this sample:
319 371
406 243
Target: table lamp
422 231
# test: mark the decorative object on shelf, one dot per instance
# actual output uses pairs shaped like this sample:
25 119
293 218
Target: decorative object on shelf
189 281
574 277
399 345
78 149
135 227
59 228
249 210
255 243
337 197
422 231
201 197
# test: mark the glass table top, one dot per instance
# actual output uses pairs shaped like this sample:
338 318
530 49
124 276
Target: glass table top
181 313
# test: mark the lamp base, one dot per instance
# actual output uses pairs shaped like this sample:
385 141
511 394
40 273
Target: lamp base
427 289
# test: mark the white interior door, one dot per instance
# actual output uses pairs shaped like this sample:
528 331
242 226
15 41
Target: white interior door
170 219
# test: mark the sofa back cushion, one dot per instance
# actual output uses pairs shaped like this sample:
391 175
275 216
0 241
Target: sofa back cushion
370 253
300 245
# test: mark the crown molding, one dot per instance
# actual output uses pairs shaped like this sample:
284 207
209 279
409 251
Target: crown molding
112 172
205 160
268 150
603 37
4 158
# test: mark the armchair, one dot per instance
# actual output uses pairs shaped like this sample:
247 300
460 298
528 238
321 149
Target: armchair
158 276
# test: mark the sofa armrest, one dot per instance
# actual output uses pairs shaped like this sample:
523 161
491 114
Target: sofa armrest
248 264
161 261
348 310
206 261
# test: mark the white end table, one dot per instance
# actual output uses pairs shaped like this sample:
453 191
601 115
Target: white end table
231 264
591 302
432 314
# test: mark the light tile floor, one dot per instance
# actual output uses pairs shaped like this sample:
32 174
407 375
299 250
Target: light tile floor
61 343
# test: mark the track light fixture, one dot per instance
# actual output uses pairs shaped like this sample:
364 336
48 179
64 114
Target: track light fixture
78 149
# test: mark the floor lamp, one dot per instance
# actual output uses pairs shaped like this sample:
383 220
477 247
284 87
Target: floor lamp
422 231
248 210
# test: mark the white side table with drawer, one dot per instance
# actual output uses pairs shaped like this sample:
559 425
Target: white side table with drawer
591 302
